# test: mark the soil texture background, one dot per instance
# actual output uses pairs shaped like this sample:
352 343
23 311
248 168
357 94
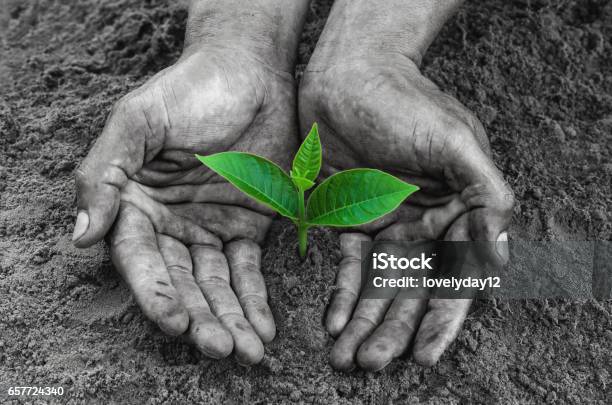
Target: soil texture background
537 73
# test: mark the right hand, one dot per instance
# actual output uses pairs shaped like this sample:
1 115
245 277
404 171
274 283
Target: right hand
380 112
185 241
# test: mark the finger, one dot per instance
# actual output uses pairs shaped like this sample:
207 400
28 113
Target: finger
136 256
444 317
484 191
211 272
368 315
165 221
348 282
431 225
439 328
116 156
219 193
401 321
244 258
205 331
393 335
229 222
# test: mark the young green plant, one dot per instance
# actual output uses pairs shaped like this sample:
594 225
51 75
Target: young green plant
349 198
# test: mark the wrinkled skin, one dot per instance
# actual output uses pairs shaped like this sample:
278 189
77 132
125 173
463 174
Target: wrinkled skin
381 112
185 241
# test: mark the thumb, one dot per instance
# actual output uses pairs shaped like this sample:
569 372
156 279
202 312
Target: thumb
117 155
487 196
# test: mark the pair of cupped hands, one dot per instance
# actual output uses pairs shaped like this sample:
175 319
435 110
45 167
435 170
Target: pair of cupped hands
188 244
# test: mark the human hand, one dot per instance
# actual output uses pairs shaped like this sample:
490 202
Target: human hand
375 109
184 240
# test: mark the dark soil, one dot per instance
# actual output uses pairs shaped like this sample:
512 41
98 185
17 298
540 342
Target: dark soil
537 73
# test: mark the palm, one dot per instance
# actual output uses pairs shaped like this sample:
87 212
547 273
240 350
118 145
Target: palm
184 240
398 121
208 103
389 116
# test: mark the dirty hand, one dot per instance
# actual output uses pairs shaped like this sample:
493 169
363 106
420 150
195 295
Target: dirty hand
375 109
185 241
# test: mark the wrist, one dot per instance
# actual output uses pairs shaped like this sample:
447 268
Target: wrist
378 29
268 29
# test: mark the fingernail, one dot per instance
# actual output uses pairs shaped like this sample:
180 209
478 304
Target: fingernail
82 223
502 247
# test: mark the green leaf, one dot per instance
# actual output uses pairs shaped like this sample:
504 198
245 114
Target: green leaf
356 197
302 183
257 177
307 161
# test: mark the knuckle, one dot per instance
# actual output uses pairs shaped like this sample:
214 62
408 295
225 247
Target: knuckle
244 253
212 281
123 107
163 305
460 130
181 269
132 114
246 244
86 176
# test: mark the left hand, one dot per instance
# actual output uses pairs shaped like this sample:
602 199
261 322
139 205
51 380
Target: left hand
185 241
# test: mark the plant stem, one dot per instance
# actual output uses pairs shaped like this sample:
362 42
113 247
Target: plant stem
302 227
303 239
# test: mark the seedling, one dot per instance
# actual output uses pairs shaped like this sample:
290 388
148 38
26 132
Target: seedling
349 198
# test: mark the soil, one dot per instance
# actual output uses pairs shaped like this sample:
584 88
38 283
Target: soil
537 73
